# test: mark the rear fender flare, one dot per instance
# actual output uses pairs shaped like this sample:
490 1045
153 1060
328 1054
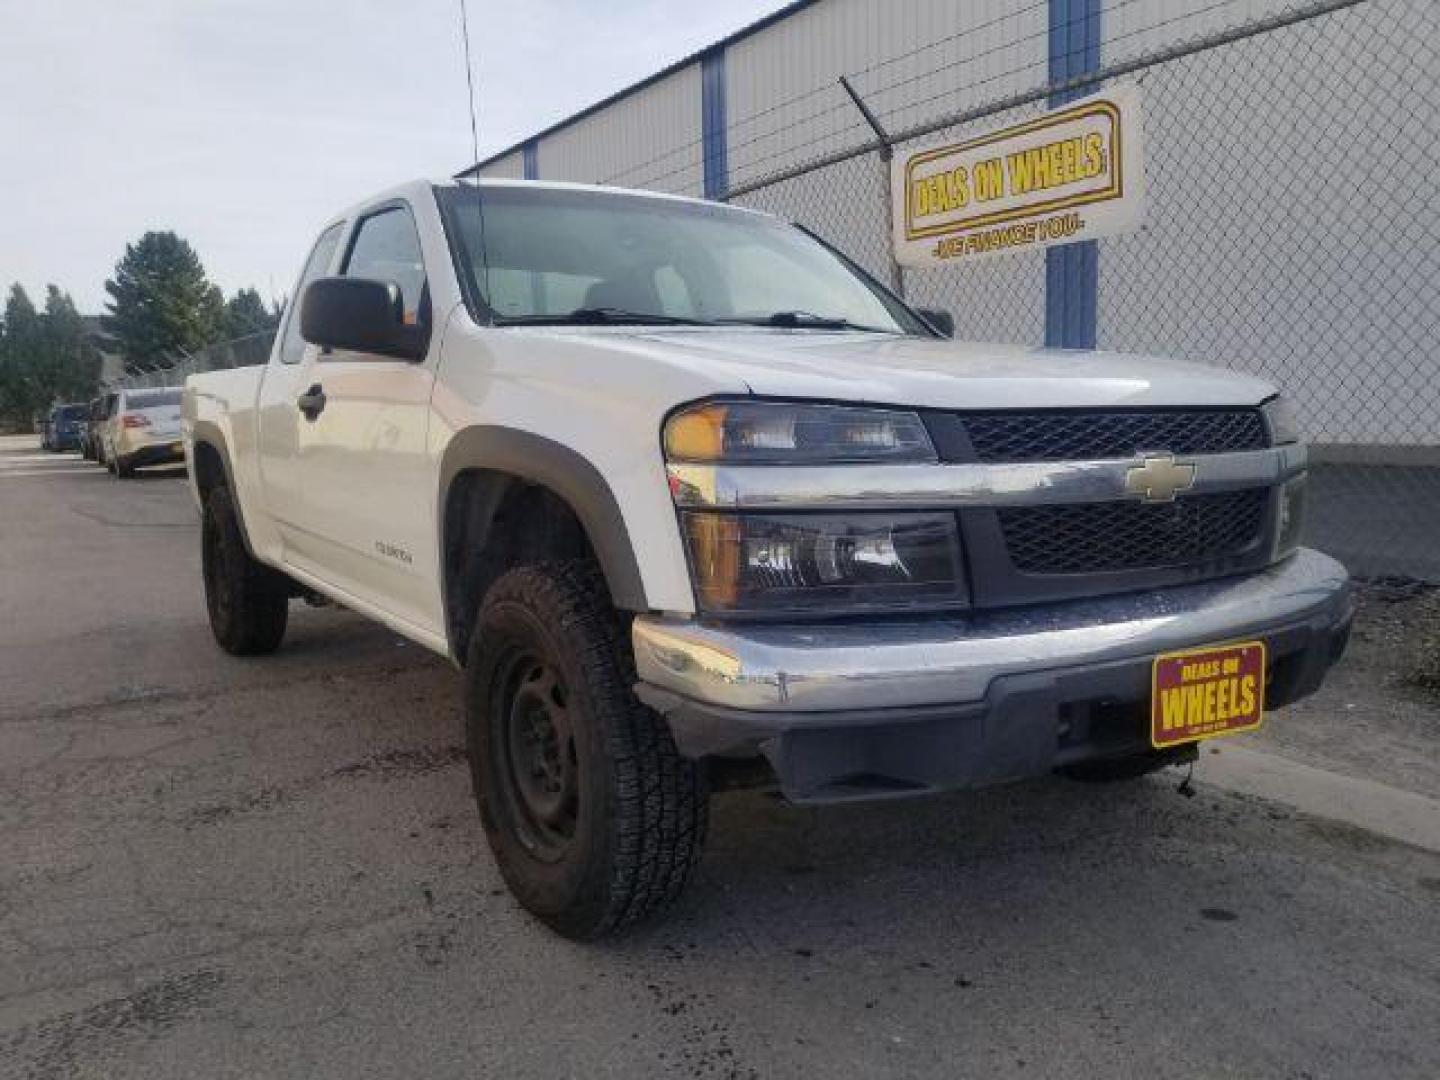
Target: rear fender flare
208 433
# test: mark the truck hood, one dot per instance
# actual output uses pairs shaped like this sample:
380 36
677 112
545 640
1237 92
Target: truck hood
897 370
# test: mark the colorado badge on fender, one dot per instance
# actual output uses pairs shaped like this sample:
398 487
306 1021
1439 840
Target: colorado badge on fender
1202 693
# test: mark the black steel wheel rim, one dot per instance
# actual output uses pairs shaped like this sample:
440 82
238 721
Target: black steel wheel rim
538 765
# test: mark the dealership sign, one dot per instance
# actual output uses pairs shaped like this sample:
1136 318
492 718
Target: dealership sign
1074 173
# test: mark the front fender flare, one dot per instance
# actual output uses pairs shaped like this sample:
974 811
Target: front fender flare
572 477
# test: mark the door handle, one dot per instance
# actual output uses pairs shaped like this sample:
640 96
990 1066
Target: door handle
312 402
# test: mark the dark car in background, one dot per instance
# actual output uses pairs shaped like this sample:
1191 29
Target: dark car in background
100 426
95 415
65 426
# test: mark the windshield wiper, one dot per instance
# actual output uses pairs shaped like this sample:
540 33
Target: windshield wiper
808 320
598 316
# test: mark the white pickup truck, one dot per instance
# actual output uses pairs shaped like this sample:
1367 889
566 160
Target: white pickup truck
691 500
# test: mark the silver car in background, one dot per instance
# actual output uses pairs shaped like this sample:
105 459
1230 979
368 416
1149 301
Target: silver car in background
143 428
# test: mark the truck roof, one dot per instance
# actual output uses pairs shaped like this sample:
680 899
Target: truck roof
418 188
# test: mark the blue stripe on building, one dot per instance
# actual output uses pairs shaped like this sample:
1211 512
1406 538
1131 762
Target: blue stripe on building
530 158
1072 272
712 123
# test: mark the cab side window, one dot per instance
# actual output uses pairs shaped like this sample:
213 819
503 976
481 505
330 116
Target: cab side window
387 248
293 346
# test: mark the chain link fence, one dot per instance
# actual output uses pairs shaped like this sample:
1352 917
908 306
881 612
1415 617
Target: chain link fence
1293 176
238 352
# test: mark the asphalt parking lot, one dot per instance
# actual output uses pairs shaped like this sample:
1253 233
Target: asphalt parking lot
221 868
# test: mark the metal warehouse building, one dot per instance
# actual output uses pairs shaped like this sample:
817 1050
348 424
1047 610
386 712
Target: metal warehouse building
1292 157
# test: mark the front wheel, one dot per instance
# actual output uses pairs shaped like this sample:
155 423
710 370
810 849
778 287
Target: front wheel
248 603
594 817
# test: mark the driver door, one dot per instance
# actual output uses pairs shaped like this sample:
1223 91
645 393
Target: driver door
366 518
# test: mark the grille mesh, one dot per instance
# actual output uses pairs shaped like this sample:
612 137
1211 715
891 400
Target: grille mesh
1114 536
1078 436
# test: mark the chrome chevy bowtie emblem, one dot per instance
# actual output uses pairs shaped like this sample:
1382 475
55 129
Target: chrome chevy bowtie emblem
1157 479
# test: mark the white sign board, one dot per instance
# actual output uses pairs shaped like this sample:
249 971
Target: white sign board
1073 174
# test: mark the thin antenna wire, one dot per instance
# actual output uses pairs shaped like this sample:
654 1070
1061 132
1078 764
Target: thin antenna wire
475 150
470 83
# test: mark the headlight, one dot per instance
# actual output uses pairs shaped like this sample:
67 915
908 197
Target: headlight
1281 420
769 563
1292 517
782 433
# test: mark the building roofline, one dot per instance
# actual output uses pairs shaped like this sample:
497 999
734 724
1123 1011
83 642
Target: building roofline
649 80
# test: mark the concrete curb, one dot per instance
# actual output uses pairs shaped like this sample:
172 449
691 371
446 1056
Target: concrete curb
1390 812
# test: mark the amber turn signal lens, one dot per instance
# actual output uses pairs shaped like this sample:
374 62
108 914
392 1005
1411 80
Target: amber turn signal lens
715 541
696 435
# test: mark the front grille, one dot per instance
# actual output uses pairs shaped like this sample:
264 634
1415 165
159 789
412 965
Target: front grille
1116 536
1081 436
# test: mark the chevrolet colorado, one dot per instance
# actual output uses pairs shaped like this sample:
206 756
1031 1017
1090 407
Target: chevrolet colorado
689 497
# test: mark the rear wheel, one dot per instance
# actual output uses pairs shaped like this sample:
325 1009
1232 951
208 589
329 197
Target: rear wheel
248 603
123 470
594 817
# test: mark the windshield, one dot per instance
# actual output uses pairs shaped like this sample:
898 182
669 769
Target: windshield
579 256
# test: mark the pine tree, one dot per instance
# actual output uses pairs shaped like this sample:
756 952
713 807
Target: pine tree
71 364
246 313
45 358
161 303
22 321
19 359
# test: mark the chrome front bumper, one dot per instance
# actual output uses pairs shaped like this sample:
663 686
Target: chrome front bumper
888 665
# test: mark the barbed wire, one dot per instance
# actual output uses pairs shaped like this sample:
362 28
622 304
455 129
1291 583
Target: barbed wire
845 105
642 178
1142 62
219 356
875 92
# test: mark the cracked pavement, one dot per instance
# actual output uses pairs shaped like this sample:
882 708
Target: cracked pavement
221 868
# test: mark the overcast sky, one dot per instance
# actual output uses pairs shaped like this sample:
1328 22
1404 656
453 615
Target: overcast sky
242 124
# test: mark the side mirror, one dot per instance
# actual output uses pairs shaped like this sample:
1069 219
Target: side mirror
939 320
359 315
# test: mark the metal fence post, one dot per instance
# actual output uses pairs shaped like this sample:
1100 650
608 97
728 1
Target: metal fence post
1072 271
714 163
887 153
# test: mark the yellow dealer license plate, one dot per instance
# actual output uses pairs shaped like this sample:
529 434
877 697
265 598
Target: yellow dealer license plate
1202 693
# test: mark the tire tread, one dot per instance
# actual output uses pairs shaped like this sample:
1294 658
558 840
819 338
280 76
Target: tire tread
661 805
260 604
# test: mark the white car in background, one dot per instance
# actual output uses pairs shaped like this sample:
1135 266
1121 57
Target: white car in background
143 429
